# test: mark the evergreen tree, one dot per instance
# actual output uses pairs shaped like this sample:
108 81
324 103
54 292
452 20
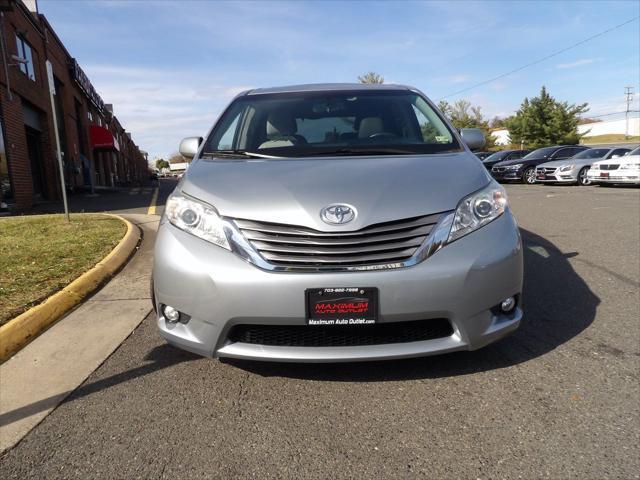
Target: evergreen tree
544 121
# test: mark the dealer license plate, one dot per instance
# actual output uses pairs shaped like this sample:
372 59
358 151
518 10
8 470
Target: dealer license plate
604 174
341 306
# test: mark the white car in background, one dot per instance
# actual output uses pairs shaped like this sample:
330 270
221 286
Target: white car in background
619 170
574 169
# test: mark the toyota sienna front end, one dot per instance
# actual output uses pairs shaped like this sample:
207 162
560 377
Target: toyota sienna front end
324 223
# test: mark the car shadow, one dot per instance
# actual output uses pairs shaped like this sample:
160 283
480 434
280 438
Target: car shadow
558 305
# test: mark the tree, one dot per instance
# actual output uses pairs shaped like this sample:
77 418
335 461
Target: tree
161 164
462 114
543 121
371 77
498 122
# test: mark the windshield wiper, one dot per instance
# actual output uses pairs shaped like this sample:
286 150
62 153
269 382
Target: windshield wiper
237 153
359 151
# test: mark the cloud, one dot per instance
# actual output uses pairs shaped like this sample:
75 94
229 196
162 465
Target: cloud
157 106
453 79
459 78
578 63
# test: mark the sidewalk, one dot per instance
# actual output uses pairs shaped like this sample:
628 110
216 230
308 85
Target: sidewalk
37 379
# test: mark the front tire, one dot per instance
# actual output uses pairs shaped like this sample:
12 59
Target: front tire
529 176
583 179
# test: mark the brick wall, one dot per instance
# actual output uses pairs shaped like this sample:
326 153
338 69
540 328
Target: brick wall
16 149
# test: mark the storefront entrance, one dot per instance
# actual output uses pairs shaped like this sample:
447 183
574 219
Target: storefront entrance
6 192
34 149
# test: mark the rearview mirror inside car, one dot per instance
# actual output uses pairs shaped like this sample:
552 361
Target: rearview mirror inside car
189 146
473 137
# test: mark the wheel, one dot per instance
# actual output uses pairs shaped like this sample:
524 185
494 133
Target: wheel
529 176
582 177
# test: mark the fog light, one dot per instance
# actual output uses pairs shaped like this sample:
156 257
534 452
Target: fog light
171 314
508 304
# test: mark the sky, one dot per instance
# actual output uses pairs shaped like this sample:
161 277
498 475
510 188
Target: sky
170 67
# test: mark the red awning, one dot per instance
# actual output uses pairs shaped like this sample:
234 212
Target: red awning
101 138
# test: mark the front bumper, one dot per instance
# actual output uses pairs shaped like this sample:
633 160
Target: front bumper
557 177
507 175
217 290
615 176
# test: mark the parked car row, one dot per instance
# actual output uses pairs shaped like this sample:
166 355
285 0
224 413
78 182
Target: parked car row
570 164
617 169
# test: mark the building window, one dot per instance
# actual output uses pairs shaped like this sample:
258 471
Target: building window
89 115
24 52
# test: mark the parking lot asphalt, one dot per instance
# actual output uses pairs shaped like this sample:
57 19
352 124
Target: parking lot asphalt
557 399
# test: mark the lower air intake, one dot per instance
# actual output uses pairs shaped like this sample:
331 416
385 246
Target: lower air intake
343 335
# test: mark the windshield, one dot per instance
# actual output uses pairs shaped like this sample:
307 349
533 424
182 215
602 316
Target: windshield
494 157
635 151
541 152
592 153
326 123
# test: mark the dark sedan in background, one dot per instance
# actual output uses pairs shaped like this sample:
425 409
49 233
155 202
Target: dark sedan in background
503 156
524 169
482 155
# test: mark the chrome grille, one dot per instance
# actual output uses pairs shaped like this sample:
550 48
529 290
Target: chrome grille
613 166
300 247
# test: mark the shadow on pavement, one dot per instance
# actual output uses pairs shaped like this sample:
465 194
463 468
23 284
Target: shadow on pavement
161 357
109 200
558 306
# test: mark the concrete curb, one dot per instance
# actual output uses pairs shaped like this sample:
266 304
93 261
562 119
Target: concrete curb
28 325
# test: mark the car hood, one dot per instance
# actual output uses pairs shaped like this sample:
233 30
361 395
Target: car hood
293 191
569 161
620 160
517 161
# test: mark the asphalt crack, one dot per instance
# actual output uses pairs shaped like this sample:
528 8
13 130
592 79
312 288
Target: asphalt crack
242 393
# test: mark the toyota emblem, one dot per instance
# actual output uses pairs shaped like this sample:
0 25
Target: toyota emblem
338 213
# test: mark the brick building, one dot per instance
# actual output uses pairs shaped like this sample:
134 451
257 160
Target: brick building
96 149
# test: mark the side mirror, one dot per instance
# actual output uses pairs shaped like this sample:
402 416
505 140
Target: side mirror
189 146
473 137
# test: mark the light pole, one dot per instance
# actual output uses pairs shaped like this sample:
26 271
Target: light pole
628 91
52 92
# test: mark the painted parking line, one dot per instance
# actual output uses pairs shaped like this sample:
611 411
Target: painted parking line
152 205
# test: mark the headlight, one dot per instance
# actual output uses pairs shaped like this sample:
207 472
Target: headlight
629 166
196 218
477 210
566 168
513 167
595 167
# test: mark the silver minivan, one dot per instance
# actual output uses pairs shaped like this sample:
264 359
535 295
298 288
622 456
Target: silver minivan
337 222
